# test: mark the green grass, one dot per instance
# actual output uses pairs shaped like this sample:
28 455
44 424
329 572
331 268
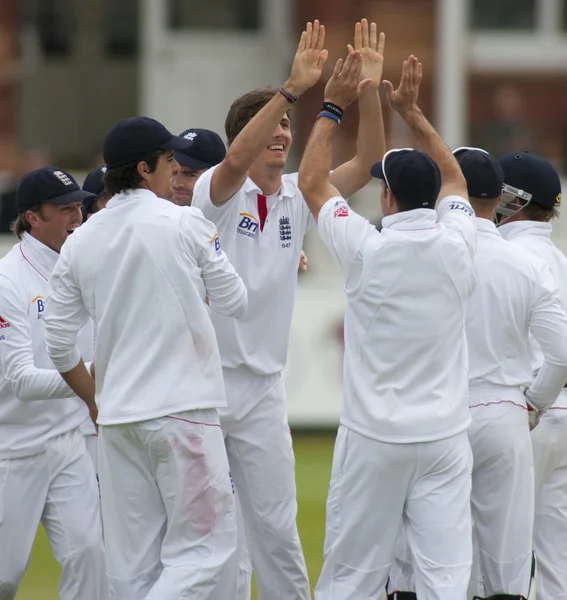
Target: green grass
313 454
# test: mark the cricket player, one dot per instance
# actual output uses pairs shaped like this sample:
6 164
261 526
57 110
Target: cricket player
205 150
402 455
166 494
532 196
94 183
46 474
515 296
262 219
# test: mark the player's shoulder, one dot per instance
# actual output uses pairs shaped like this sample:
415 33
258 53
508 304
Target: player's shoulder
12 261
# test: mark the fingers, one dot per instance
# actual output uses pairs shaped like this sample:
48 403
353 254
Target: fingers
350 48
381 43
301 45
315 35
320 38
363 84
323 56
358 36
308 35
373 36
405 76
365 34
338 68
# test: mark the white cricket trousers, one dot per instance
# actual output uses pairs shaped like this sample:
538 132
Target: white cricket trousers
376 489
258 443
549 441
167 507
502 498
58 488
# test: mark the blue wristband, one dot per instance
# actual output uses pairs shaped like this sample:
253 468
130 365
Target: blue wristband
329 115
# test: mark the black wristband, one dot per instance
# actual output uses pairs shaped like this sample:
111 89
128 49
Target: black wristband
333 108
288 95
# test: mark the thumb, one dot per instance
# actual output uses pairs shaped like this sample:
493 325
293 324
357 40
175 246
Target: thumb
323 57
389 89
363 84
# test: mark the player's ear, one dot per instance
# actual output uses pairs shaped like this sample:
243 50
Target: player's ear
143 169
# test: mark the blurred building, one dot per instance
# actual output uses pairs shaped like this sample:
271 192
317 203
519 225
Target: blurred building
494 69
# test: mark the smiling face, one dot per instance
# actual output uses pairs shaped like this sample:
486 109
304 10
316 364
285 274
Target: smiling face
276 152
184 180
53 223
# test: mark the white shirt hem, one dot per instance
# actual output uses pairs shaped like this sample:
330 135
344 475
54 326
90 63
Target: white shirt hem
164 412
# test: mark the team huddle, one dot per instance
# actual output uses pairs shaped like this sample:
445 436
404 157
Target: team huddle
144 325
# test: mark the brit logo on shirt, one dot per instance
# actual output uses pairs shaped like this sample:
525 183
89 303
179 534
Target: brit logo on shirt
285 232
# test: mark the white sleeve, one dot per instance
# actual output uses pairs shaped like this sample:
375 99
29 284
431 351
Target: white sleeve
202 198
65 314
226 291
548 325
343 231
27 382
456 213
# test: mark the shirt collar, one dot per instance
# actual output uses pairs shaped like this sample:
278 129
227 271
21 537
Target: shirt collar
39 256
486 226
515 228
286 189
130 196
408 220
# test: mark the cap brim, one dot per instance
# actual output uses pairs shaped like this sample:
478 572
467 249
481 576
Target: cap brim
191 162
176 143
74 196
377 171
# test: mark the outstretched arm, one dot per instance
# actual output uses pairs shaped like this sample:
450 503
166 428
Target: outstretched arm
404 101
341 90
308 63
353 175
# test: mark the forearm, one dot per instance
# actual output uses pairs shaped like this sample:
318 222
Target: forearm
81 382
429 141
353 175
32 384
316 165
549 381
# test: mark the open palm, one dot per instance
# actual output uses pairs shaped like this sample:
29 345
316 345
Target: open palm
309 58
371 47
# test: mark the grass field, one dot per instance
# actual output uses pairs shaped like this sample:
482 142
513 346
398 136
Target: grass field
313 455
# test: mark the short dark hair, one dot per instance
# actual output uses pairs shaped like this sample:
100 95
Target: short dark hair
126 177
21 225
537 212
244 108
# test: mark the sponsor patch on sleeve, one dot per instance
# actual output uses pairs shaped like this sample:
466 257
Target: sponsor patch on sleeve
462 207
215 240
341 211
4 324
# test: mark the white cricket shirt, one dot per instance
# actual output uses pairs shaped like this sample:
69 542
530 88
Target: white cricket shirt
132 269
514 295
407 287
267 259
535 238
36 405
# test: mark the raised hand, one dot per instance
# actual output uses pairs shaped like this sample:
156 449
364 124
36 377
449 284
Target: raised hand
343 86
404 98
309 59
371 47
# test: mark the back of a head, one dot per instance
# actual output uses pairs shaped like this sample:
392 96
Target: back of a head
244 108
484 177
532 188
412 176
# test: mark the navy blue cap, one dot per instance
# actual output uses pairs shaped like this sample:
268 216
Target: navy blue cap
532 174
412 176
132 139
48 185
94 183
483 173
206 149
